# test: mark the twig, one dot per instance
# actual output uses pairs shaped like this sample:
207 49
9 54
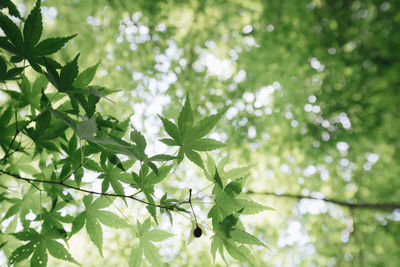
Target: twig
29 180
379 206
190 202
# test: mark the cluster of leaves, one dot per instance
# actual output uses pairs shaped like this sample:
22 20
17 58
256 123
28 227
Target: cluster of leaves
70 137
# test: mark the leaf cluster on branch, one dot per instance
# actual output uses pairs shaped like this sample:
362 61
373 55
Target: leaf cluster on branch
52 120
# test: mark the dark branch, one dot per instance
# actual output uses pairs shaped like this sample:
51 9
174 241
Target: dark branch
378 206
61 183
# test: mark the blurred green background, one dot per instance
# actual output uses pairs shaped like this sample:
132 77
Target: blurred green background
314 89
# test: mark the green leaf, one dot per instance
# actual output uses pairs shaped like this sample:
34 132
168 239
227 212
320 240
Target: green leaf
180 155
135 259
16 59
110 219
185 119
12 9
95 233
152 166
39 257
169 142
6 116
151 254
153 178
216 244
3 69
145 226
86 129
170 128
51 45
205 125
194 157
210 168
228 223
58 251
251 207
234 188
207 144
6 45
244 237
162 157
11 31
151 208
12 73
22 253
78 223
156 235
101 203
52 74
68 73
85 77
217 179
236 173
43 122
241 253
26 235
33 28
139 139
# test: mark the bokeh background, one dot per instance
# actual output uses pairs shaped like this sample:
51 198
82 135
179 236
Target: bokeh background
314 89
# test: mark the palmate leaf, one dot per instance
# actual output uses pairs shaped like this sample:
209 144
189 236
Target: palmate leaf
93 216
146 246
39 245
23 206
27 46
188 134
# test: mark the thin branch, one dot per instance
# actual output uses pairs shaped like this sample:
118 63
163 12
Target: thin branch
378 206
190 202
29 180
6 155
3 186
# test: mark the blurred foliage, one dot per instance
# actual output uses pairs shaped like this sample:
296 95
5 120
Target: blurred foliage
314 94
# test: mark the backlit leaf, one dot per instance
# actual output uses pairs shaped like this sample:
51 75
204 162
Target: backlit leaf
33 27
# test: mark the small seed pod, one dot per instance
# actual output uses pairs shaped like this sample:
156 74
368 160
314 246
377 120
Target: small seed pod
197 232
